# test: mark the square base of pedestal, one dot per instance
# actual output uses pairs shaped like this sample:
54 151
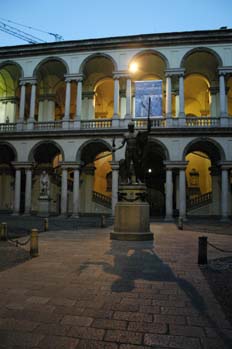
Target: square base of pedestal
131 236
132 222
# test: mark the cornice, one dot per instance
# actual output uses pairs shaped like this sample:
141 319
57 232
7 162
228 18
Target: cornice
133 41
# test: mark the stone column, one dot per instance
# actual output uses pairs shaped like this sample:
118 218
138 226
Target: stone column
213 105
64 191
215 205
88 189
115 169
90 105
32 102
182 193
224 194
79 100
17 192
76 190
22 101
181 96
28 191
222 91
168 96
31 120
169 195
128 98
122 103
66 118
116 96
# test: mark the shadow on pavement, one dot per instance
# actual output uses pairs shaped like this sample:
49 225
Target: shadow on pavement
135 261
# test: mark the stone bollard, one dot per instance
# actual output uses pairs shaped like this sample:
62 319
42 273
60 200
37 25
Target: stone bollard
3 231
202 250
180 223
34 246
103 221
45 224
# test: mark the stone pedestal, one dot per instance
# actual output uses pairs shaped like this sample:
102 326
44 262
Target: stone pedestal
132 221
44 206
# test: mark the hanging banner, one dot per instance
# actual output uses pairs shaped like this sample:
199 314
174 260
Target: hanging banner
143 91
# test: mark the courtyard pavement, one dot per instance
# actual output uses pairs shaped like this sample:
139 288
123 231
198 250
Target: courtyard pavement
85 291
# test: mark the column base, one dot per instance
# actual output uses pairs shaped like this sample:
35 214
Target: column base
65 123
115 120
30 124
19 125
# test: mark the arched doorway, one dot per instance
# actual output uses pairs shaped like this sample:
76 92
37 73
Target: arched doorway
46 157
154 176
98 87
94 177
201 86
203 177
7 156
10 74
149 66
51 91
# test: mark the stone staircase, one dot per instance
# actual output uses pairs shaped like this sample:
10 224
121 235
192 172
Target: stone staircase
199 201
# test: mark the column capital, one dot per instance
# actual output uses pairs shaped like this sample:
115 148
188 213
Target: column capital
68 80
180 165
119 74
22 165
74 77
174 71
114 165
70 165
225 165
224 70
27 80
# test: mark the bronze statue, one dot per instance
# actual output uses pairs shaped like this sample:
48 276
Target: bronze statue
136 142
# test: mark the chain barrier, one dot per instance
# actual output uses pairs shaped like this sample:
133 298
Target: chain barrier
33 239
17 242
217 248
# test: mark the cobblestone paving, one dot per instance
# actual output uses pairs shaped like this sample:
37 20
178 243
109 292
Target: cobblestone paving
85 291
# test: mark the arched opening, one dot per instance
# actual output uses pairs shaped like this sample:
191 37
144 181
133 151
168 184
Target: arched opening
104 102
7 156
201 85
10 92
94 183
46 157
150 66
229 95
203 188
51 91
98 87
197 95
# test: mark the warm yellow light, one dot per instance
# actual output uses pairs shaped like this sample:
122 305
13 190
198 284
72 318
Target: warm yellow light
133 67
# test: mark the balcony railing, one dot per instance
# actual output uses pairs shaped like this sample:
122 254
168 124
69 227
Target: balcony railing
48 125
96 124
8 127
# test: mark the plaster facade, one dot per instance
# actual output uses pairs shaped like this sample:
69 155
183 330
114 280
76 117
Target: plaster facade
63 103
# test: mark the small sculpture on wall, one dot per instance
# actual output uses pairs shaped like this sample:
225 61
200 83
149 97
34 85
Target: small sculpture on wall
44 184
